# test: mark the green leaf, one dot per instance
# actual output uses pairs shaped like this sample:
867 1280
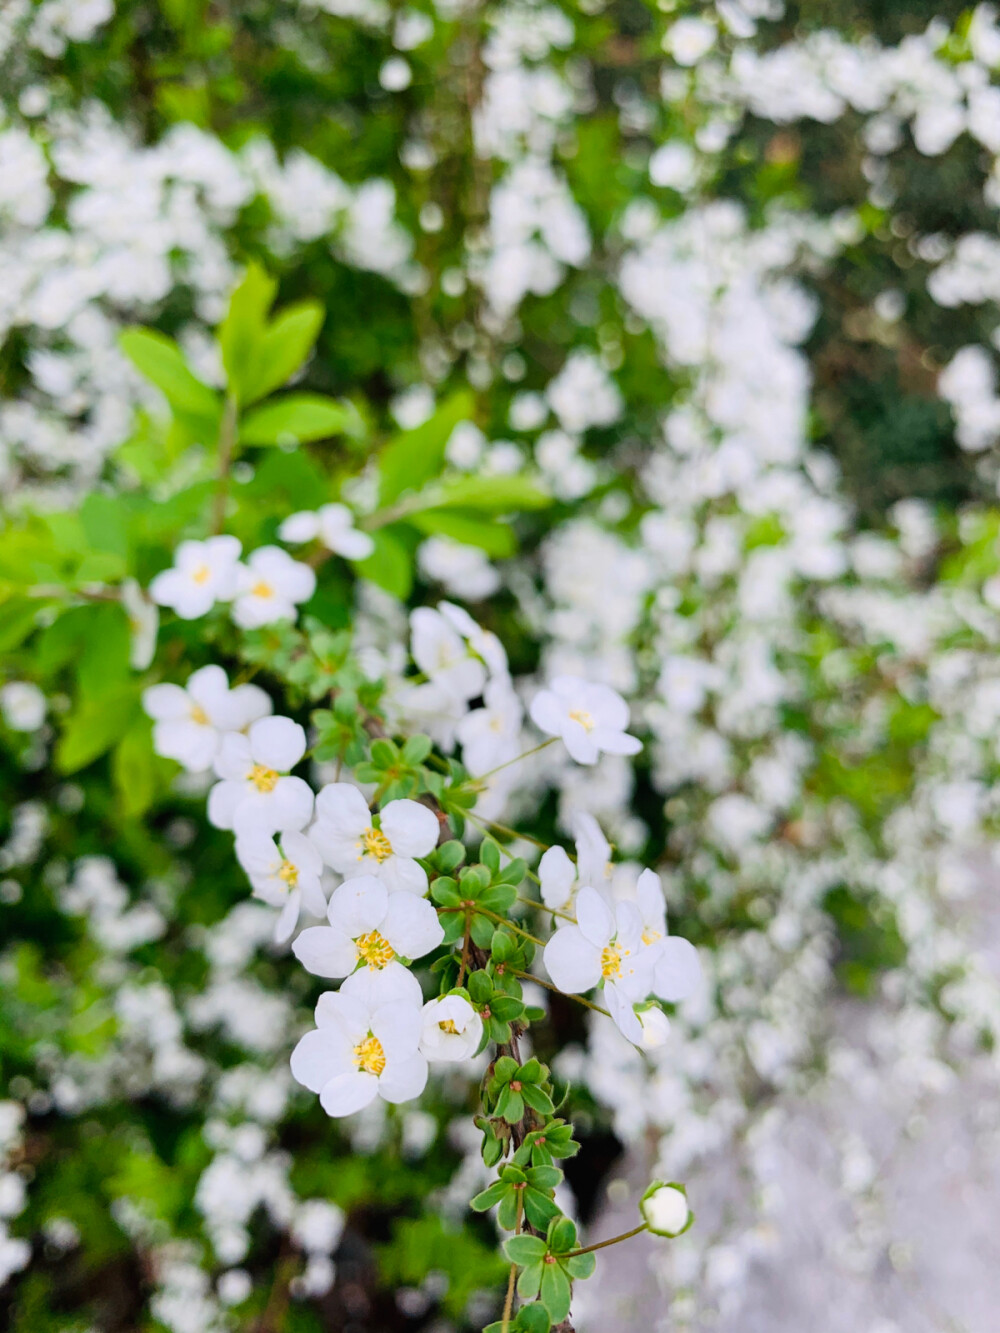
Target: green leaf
489 1197
496 539
547 1178
94 727
506 1067
162 362
18 618
390 565
556 1292
133 769
530 1071
536 1098
241 333
298 417
416 750
562 1232
530 1281
411 459
539 1208
287 342
491 495
523 1250
581 1265
490 856
533 1318
450 854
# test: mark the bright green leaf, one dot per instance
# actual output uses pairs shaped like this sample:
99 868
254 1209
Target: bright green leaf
297 417
286 343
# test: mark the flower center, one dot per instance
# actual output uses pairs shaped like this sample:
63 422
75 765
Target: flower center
202 574
611 962
583 717
650 936
369 1055
289 872
262 589
376 844
375 950
448 1025
264 779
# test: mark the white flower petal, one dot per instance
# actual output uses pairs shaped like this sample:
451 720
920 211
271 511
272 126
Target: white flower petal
358 906
678 969
320 1056
403 1079
277 742
411 925
594 917
288 918
571 961
349 1092
326 951
557 874
411 828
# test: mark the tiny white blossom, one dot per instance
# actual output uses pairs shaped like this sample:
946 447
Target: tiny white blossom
191 721
253 794
23 705
287 877
333 524
603 946
363 1047
369 926
589 719
664 1209
350 842
443 656
560 879
269 587
452 1030
490 735
677 971
143 622
203 573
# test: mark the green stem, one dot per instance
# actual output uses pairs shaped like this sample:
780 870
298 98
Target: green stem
543 907
603 1244
481 777
485 826
570 995
227 444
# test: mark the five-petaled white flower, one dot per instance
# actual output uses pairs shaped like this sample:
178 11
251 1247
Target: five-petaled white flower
452 1030
369 926
253 794
269 586
490 735
365 1045
203 573
351 843
677 971
604 946
189 722
333 524
589 719
443 655
561 880
287 877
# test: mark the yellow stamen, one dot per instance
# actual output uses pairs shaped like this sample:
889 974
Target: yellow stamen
375 950
262 589
264 779
376 844
448 1026
611 962
289 873
369 1055
650 936
201 575
199 715
585 720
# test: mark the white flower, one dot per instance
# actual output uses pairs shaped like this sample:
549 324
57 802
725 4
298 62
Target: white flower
590 719
490 735
678 969
665 1209
560 879
288 878
689 39
369 926
143 622
363 1047
203 573
351 843
483 642
452 1030
443 656
655 1028
190 721
23 705
253 794
333 524
465 571
603 947
431 709
269 586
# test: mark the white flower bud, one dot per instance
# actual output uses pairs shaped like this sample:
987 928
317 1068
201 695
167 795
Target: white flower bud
665 1209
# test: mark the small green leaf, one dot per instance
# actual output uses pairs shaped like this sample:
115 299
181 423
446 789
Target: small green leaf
133 769
496 539
286 343
94 727
493 495
162 362
581 1265
556 1292
390 565
562 1233
241 333
489 1197
411 459
523 1250
533 1318
296 418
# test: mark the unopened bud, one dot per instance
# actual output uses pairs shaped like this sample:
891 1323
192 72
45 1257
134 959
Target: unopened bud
665 1210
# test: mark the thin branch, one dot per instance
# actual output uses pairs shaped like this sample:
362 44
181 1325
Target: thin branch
227 444
569 995
614 1240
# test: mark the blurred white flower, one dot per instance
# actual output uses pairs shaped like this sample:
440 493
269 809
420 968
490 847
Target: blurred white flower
203 573
269 586
23 705
287 876
189 722
333 524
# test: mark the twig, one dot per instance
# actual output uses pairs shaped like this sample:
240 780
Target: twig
227 444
